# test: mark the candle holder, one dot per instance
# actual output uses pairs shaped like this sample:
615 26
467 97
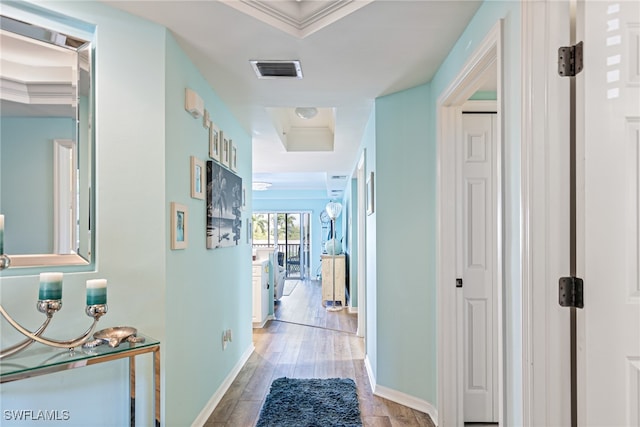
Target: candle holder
5 261
49 308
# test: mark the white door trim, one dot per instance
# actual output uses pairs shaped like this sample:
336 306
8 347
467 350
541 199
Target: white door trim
450 387
362 246
544 189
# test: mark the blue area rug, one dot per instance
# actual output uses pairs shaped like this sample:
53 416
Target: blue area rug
311 403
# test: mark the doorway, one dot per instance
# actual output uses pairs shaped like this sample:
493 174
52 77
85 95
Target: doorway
290 234
454 390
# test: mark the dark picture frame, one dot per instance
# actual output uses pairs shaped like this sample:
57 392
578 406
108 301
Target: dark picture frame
224 207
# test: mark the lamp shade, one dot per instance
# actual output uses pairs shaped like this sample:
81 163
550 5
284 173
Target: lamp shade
333 209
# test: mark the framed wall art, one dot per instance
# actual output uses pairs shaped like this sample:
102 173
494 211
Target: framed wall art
224 159
197 178
179 226
370 194
214 142
233 156
224 202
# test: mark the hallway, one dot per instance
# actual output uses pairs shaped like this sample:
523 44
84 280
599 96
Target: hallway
303 306
299 351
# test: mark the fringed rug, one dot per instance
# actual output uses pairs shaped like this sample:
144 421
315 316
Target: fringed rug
330 402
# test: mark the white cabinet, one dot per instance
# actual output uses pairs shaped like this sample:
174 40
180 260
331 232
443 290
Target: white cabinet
327 278
260 293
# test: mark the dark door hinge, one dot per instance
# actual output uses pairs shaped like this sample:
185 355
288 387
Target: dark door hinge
570 60
459 282
571 292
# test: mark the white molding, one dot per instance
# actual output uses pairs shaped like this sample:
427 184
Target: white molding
353 310
372 377
448 108
208 409
407 400
260 325
480 106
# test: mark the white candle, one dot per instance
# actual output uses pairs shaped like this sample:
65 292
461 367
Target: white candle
96 291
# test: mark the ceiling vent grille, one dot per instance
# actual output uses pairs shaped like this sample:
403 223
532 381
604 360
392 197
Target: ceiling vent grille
277 69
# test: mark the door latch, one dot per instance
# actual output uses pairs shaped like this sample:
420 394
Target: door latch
571 292
459 282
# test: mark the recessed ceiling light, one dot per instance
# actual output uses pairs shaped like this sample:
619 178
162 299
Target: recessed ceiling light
260 186
306 112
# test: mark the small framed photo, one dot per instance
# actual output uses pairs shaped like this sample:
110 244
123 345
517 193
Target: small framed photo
370 194
224 160
197 178
214 142
233 156
179 226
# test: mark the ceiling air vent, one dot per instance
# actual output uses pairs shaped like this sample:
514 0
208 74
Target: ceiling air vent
277 69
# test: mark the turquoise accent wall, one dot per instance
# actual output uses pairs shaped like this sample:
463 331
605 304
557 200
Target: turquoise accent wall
208 290
26 180
144 140
405 178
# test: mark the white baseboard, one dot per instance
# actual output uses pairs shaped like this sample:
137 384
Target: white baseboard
399 397
208 409
353 309
372 378
257 325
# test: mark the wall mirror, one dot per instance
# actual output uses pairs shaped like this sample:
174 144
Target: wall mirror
46 146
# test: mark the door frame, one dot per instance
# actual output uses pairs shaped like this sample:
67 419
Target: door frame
362 245
544 218
449 301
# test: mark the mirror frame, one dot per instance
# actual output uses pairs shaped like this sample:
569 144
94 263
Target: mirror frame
76 44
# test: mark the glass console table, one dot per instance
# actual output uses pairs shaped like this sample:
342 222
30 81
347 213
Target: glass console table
42 360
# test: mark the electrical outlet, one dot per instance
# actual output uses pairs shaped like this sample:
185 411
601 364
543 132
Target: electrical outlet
227 337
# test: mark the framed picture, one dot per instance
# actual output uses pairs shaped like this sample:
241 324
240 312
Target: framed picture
197 178
214 142
370 194
233 156
224 201
225 150
179 226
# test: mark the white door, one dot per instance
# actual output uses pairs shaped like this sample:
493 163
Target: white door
609 342
478 245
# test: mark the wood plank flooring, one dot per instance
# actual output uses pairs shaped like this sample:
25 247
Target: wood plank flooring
304 306
297 350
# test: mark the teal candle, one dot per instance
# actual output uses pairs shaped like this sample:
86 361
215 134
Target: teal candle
96 291
50 286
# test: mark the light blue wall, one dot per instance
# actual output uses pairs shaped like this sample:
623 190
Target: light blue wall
26 180
144 139
208 290
486 17
130 223
401 280
405 177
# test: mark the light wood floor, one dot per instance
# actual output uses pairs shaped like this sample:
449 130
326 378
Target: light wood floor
299 350
304 306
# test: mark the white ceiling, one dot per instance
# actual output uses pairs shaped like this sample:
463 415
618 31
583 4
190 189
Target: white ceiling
351 52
